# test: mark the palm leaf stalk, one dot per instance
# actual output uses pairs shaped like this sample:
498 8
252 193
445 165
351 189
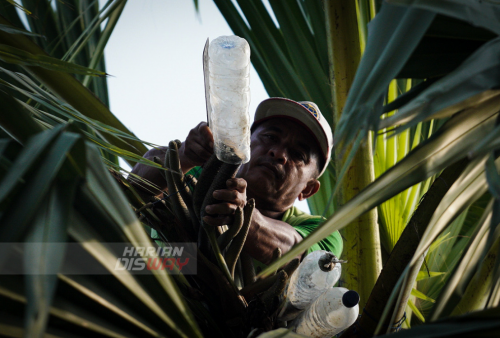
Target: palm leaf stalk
453 290
56 158
468 188
362 235
394 214
450 245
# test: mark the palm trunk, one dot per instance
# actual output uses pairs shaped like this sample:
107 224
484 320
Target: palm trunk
361 237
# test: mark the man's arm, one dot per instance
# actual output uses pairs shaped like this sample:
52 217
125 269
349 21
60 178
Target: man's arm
149 173
266 234
195 151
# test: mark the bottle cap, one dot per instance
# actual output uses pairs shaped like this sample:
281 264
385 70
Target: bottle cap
350 298
327 262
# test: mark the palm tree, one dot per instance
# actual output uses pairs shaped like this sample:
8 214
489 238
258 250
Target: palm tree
59 138
54 130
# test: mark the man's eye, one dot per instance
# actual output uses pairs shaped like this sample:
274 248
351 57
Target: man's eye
300 156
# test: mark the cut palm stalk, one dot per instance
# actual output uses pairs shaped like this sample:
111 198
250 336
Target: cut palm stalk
178 205
269 296
178 177
276 256
233 231
186 199
234 251
226 172
191 180
218 255
210 169
248 270
249 291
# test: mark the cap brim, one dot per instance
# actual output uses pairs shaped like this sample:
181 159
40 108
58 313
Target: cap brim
281 107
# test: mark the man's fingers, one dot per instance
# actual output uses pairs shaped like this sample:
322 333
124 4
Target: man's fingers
239 184
198 151
226 195
221 209
197 148
218 221
231 196
201 143
206 135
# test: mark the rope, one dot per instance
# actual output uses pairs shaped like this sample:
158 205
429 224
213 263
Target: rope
397 326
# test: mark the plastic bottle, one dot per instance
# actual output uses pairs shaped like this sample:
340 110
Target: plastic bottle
319 271
335 310
229 64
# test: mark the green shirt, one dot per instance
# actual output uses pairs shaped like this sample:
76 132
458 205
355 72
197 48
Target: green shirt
304 224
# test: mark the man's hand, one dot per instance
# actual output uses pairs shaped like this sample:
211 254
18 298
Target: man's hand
231 198
265 234
197 148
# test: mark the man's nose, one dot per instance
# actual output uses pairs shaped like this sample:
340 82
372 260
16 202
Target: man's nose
279 154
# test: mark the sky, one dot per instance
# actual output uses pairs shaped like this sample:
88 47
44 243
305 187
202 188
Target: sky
154 57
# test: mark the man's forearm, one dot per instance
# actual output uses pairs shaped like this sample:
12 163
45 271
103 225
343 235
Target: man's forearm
266 234
152 174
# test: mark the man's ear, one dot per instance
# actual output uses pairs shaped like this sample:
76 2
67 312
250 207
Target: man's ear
311 188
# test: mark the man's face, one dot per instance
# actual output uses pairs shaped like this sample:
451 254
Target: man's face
284 157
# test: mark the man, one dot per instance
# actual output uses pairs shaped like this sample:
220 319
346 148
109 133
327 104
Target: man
291 146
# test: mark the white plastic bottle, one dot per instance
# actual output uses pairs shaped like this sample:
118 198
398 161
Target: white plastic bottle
229 64
335 310
319 271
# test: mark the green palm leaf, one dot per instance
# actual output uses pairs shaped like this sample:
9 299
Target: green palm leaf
444 148
67 156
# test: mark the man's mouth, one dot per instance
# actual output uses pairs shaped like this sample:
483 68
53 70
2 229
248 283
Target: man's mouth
278 173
